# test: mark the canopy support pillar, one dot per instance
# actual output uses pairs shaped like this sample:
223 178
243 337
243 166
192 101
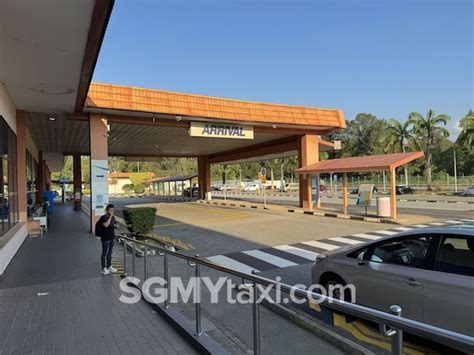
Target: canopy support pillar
308 153
99 166
345 199
393 194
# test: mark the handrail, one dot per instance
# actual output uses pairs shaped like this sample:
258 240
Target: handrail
447 337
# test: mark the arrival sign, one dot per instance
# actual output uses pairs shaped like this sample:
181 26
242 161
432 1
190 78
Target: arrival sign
212 130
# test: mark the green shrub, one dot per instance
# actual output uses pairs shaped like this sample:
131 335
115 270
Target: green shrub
140 220
138 188
127 187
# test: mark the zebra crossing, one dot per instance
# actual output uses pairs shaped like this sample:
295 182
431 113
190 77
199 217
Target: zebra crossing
300 253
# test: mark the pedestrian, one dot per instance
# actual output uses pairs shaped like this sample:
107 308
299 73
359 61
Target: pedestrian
105 229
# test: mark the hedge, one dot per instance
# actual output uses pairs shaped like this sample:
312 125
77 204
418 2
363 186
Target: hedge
140 220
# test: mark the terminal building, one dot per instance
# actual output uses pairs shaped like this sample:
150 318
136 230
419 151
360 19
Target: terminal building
49 108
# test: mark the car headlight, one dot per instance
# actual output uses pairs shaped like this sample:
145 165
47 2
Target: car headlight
320 258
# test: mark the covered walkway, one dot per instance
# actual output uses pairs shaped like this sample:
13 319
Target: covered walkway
54 300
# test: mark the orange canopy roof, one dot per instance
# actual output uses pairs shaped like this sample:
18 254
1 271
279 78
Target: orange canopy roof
365 163
116 97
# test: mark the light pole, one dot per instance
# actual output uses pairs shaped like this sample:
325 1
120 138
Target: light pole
455 172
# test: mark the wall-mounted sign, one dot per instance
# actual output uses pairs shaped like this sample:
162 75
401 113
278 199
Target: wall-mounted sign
99 186
213 130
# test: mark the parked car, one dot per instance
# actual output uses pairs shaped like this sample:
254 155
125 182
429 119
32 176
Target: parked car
468 191
356 190
404 189
252 187
191 192
424 271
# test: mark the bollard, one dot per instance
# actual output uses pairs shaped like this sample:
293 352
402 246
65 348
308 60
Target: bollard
397 337
198 298
256 318
166 275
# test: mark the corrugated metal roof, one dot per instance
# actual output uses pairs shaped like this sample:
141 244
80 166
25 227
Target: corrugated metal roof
173 178
116 97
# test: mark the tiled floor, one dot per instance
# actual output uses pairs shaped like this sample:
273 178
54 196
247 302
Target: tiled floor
54 300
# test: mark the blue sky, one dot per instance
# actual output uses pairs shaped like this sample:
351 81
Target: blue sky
385 57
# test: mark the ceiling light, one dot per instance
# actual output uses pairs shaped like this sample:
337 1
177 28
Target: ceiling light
274 126
178 118
52 118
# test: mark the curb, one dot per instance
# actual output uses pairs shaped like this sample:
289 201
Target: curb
317 329
311 213
326 197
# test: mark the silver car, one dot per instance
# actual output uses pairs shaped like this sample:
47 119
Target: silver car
429 272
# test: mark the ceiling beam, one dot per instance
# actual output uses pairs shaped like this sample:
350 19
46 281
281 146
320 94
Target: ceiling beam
99 21
273 147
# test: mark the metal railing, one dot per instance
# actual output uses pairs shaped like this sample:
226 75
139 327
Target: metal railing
390 324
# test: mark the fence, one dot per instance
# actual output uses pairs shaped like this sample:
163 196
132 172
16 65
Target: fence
391 324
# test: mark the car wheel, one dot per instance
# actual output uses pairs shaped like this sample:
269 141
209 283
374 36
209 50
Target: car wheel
334 283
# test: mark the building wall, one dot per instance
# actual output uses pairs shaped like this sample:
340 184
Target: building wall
7 109
31 146
117 187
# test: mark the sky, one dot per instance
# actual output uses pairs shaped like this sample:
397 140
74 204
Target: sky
385 57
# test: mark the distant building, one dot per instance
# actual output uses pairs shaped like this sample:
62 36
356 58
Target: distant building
118 180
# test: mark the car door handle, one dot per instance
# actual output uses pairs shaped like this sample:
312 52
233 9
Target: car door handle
412 282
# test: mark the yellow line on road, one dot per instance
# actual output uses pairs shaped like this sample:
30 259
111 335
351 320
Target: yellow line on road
340 321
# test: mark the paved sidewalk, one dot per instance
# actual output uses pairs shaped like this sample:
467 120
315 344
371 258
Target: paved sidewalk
54 300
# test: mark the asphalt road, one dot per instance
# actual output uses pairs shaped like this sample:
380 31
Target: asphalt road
254 240
438 210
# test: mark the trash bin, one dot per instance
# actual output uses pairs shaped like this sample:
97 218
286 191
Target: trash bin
383 206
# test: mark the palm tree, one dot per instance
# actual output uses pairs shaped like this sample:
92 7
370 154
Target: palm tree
399 136
426 128
467 129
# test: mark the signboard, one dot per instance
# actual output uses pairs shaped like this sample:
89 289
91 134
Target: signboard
262 175
99 185
337 145
315 190
365 195
221 130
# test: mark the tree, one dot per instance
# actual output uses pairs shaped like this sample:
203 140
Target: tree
398 137
426 128
467 129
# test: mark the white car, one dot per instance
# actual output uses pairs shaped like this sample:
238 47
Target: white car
252 187
468 191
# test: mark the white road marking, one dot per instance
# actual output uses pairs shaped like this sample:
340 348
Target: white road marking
386 232
403 229
346 240
320 245
367 236
269 258
454 222
437 224
231 263
297 251
420 226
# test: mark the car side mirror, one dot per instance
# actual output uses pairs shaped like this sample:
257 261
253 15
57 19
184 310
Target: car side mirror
361 258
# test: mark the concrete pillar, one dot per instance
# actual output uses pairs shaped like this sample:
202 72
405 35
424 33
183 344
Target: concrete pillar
204 176
40 179
393 194
77 181
99 167
308 153
21 164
